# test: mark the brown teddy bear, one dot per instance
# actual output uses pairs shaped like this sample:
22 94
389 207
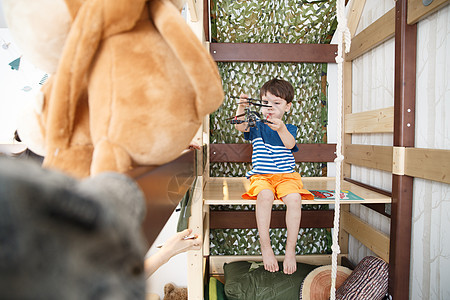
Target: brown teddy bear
171 292
132 86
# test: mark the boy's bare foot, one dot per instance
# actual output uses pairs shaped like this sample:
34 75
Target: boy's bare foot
289 263
269 259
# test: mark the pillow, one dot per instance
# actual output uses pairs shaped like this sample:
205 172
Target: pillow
249 281
216 289
369 281
317 284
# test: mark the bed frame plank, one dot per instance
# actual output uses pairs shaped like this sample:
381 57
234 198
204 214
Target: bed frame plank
417 11
373 239
355 15
431 164
343 235
195 266
216 262
245 219
273 52
206 227
374 121
243 153
228 191
375 34
370 156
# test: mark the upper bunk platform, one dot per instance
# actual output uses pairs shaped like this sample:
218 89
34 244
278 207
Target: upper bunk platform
228 191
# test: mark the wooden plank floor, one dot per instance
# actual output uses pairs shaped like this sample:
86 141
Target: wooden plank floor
228 190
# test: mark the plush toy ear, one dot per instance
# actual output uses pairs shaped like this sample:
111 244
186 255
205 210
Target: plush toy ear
73 6
194 58
168 288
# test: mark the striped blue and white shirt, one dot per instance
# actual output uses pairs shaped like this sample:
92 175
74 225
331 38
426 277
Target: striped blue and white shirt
269 155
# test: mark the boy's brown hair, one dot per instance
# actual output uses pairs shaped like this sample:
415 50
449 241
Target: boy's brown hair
278 87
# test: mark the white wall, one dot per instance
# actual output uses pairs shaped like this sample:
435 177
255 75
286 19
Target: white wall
174 271
12 83
430 246
373 86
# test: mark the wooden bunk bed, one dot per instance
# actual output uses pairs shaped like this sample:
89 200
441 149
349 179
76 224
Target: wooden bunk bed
402 159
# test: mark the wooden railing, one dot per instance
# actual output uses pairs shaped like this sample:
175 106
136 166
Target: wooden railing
163 187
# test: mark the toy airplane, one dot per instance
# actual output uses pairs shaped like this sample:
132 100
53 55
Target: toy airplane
251 116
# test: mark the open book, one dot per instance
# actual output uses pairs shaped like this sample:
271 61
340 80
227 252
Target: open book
329 195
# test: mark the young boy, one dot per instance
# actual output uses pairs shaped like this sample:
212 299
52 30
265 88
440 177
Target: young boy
272 175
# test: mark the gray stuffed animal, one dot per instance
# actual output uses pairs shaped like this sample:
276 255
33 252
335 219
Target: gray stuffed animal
61 238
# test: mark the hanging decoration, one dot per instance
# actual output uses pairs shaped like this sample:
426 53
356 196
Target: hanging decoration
15 64
44 79
28 76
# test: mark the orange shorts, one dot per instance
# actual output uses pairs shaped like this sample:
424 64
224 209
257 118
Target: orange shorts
280 184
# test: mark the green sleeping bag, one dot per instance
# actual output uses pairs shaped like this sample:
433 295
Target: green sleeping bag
249 281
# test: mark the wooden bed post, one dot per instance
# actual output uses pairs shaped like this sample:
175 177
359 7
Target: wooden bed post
354 17
404 132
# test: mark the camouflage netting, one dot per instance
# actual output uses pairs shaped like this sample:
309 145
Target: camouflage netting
272 22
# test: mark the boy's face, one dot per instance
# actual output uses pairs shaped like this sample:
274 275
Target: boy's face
278 106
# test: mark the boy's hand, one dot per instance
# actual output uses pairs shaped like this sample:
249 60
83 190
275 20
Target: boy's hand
277 124
242 101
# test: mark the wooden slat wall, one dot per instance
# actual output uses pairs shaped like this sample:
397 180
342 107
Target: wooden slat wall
355 15
193 10
375 34
431 164
376 157
374 121
373 239
417 11
353 21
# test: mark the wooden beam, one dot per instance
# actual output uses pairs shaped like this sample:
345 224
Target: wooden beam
163 187
375 240
245 219
274 52
243 153
374 121
417 11
375 157
431 164
192 6
346 109
404 136
343 235
195 262
206 20
355 15
230 153
369 187
375 34
345 262
378 207
216 262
